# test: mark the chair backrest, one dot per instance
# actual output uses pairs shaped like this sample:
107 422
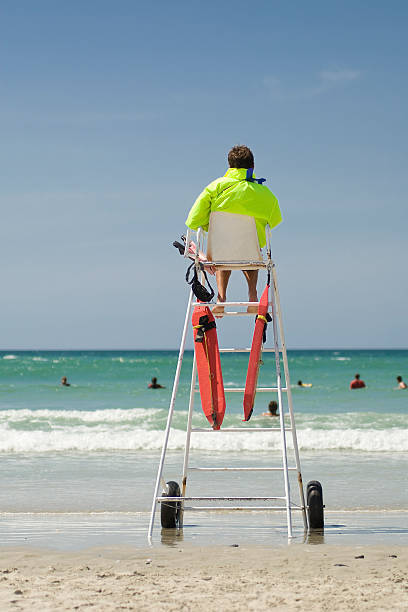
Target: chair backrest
233 239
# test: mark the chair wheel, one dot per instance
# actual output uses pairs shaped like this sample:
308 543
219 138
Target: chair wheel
170 511
314 497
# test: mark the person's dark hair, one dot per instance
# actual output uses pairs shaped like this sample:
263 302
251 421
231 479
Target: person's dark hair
240 156
399 378
154 380
300 383
273 406
357 376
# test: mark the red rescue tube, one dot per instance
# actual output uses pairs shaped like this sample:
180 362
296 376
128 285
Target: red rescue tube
255 355
208 365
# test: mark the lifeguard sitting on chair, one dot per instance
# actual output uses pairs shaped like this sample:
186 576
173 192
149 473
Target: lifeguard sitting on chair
237 192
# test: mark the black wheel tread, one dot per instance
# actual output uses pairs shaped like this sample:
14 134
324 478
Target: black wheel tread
314 494
169 511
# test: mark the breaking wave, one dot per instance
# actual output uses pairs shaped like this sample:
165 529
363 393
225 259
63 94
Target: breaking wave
39 431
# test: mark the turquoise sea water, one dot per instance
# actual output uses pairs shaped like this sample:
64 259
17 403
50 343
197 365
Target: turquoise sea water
95 446
109 407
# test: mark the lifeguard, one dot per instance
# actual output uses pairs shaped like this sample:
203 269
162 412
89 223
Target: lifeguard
239 192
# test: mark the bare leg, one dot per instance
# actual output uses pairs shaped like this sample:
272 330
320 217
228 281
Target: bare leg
252 279
222 277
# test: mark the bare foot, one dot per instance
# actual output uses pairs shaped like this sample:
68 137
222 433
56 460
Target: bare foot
218 311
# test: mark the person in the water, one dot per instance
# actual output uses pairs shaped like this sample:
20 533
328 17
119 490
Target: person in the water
401 384
302 384
273 409
64 382
154 384
357 383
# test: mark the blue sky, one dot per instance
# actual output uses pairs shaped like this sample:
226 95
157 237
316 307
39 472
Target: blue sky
114 116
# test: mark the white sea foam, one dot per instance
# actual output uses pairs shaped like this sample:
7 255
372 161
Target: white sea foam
116 415
341 358
122 437
9 356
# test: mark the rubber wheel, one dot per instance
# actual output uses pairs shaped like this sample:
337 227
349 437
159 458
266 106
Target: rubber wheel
169 511
313 484
314 496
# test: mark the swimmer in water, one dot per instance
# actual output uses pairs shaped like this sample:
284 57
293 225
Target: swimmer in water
155 385
273 409
401 384
302 384
357 383
64 382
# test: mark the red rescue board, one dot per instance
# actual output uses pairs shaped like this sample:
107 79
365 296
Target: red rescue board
255 355
208 365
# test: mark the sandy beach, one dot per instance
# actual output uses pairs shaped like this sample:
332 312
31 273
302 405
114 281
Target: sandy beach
206 578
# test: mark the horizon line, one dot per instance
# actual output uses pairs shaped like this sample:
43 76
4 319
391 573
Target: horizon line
335 348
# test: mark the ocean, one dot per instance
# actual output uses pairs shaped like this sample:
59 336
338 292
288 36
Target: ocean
91 450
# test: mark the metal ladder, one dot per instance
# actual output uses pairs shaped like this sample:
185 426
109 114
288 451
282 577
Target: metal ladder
286 502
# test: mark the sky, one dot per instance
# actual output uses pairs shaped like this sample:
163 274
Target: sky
115 115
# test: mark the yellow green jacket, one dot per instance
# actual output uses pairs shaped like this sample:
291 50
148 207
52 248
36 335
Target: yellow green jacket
234 193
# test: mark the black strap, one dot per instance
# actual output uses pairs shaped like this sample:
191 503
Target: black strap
269 319
204 326
188 281
198 289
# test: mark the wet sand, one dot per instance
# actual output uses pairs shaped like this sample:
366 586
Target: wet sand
81 530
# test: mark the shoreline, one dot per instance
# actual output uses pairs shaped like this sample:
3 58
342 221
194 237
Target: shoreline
77 531
206 578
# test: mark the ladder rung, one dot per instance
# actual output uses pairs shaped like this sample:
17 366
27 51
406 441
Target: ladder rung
237 429
240 469
235 313
243 508
259 390
241 390
175 499
258 263
246 350
228 304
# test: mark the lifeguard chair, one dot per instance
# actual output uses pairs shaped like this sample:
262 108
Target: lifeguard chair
232 244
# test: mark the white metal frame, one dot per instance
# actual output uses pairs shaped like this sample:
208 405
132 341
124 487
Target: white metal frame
280 354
